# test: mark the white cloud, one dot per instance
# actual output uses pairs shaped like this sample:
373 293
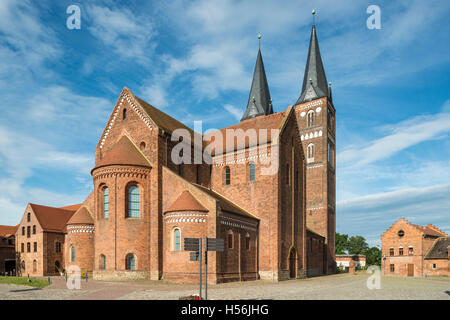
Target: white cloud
235 112
25 43
155 94
373 214
129 34
401 136
21 156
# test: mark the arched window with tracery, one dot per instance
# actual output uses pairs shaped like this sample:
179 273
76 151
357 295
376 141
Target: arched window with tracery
105 202
134 202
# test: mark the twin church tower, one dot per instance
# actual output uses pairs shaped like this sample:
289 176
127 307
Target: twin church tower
315 115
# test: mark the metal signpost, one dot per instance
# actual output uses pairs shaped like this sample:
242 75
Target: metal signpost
211 244
195 245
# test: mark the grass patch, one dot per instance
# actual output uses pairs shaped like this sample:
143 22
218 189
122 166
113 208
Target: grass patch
37 283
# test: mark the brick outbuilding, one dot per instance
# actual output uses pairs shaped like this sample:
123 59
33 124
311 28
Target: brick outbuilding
7 250
410 250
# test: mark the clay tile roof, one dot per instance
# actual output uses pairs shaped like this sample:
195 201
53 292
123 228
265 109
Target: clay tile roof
124 152
272 121
73 207
50 218
81 216
439 249
186 202
7 231
162 120
429 231
226 204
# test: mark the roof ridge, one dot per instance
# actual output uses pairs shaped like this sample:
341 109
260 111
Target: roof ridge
59 208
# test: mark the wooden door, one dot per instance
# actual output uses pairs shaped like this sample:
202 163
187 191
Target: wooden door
410 270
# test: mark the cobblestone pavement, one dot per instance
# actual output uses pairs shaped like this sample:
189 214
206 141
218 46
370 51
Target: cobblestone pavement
342 286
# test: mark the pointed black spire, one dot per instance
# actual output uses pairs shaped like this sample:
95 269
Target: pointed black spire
259 101
315 81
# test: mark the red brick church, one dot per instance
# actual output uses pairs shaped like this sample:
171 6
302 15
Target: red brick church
276 226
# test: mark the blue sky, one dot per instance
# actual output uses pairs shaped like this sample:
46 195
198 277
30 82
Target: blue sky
194 60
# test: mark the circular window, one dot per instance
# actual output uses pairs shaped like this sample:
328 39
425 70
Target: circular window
401 233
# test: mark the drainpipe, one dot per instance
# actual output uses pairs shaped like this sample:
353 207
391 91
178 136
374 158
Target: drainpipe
423 275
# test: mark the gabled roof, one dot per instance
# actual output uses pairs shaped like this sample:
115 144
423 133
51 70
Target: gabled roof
81 216
7 231
272 121
314 81
161 119
439 249
52 219
226 204
429 230
186 202
72 207
259 101
124 152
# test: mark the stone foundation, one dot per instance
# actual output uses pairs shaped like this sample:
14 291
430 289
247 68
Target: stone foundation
120 275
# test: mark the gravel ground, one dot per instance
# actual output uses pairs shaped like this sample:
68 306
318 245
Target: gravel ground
342 286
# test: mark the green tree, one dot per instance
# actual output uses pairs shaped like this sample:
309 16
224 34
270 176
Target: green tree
373 256
357 245
341 243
